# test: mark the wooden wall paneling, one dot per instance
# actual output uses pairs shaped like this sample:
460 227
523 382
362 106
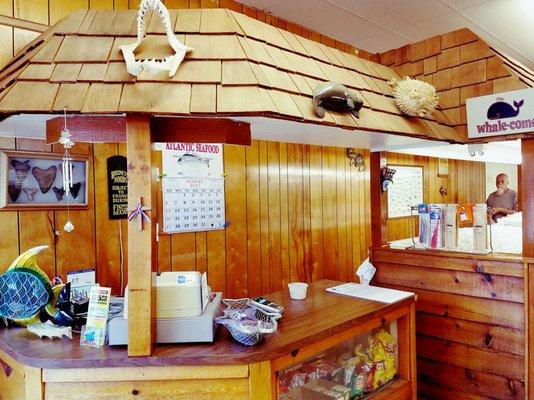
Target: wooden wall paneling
201 252
194 3
330 249
82 238
356 201
529 328
36 228
379 215
101 4
61 8
341 217
296 217
316 212
107 238
123 227
209 3
275 244
216 258
306 214
231 5
6 7
164 240
253 218
6 38
9 221
31 10
120 4
348 220
176 4
264 218
365 205
236 231
284 215
183 248
476 382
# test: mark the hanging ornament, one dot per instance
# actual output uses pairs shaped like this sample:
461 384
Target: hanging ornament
66 167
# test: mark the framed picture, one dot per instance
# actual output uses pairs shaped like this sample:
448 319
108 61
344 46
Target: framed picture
406 190
34 180
443 167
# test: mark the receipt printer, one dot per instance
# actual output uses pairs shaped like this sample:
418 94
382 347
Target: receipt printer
179 294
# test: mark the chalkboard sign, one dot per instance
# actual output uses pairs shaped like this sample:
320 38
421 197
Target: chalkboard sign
117 187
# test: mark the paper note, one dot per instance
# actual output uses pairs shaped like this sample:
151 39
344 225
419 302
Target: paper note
382 295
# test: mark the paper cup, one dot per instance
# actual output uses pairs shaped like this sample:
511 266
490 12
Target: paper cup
297 290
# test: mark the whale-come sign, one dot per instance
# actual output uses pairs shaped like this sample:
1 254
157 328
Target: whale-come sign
499 114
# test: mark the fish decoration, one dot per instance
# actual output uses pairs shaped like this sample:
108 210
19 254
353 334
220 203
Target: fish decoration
14 189
59 193
45 177
25 289
21 169
30 193
49 330
337 97
193 160
75 189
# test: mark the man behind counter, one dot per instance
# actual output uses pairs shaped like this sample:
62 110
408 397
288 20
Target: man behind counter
503 201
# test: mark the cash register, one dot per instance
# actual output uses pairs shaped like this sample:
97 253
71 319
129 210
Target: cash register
185 310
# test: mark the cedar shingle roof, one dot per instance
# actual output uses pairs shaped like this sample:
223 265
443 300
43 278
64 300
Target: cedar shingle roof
239 67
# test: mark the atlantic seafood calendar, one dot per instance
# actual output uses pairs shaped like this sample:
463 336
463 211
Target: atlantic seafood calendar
193 187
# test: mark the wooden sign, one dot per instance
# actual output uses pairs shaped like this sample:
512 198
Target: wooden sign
117 187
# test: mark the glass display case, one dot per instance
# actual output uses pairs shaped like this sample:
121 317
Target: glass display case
354 369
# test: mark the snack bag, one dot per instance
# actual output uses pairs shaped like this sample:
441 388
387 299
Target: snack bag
382 347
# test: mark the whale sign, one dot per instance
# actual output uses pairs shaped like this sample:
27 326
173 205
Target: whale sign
500 114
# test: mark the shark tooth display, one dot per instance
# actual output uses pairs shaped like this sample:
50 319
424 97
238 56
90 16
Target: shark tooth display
75 189
14 189
30 193
21 169
59 193
45 177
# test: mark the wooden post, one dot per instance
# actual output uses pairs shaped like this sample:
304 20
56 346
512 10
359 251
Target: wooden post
379 203
527 206
142 252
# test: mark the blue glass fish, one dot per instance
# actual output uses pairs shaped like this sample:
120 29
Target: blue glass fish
25 289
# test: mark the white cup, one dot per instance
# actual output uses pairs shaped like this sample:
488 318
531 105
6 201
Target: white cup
297 290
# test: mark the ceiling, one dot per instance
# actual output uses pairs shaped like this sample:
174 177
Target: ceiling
380 25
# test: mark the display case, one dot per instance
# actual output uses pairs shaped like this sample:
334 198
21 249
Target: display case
357 368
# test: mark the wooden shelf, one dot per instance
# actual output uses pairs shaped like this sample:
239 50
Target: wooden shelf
400 389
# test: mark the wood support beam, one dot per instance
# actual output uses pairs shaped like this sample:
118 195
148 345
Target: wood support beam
142 250
379 201
112 129
91 128
200 130
23 24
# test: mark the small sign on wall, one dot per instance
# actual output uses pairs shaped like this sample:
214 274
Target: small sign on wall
117 187
499 114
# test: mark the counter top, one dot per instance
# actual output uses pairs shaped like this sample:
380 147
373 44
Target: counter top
320 315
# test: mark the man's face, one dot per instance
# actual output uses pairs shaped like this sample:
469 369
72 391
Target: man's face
502 183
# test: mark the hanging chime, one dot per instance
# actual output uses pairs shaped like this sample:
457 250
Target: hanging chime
66 167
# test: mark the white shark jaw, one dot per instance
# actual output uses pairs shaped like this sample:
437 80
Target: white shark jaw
169 63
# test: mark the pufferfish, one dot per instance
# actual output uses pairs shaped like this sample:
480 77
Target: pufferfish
25 289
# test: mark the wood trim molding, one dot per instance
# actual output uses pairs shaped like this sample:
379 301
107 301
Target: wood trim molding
22 24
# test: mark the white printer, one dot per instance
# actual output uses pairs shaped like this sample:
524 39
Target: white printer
179 294
185 310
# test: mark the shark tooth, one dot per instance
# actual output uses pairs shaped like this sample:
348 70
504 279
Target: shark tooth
59 193
30 192
14 189
21 169
45 177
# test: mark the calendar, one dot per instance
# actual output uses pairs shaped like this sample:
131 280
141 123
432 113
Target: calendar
193 187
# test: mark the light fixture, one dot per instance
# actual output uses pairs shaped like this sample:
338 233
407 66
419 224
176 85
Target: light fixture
475 148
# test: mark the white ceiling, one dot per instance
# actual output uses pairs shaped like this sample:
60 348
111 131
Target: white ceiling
380 25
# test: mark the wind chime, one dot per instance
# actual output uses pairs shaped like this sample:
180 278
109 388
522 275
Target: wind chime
66 167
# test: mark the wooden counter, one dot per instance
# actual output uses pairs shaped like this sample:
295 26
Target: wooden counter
224 369
470 320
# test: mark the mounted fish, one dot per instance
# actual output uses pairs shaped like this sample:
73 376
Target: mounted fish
336 97
25 290
413 97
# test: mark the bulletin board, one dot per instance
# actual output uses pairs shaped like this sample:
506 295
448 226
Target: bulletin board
406 190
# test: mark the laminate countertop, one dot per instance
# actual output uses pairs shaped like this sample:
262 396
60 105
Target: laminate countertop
320 315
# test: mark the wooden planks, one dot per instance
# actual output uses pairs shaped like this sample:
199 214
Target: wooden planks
469 342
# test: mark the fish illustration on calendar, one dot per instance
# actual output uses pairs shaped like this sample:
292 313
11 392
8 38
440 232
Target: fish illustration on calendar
198 160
